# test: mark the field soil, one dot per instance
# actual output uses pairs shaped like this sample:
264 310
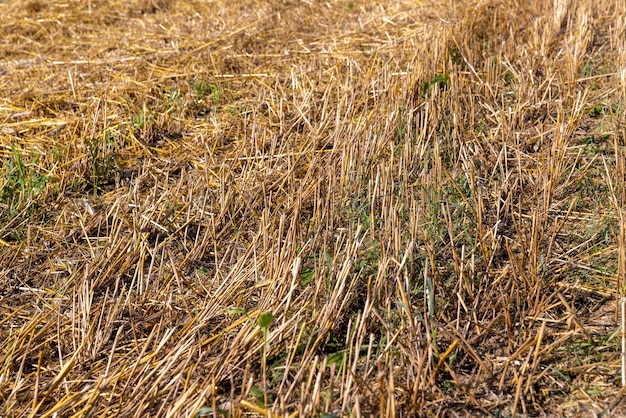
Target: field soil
312 208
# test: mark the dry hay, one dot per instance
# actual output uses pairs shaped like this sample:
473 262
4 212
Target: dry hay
426 196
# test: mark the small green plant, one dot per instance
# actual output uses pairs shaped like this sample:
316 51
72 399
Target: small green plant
456 57
401 123
439 80
306 276
509 78
172 101
207 411
369 259
265 321
591 146
202 89
202 272
596 111
21 182
139 122
103 159
587 69
257 393
337 359
212 89
235 310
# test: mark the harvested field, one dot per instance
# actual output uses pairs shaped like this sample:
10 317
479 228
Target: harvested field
302 208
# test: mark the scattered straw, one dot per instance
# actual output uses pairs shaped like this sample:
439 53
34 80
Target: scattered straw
426 196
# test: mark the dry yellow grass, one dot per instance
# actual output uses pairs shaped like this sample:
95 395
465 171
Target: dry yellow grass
426 196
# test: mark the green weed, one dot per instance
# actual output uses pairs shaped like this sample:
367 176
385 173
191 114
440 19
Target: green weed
439 81
103 159
21 183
